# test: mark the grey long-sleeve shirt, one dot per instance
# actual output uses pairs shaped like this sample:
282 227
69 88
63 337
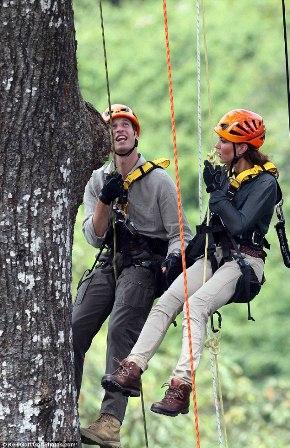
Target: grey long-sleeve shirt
152 206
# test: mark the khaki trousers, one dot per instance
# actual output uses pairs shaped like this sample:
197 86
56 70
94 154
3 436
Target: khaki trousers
204 300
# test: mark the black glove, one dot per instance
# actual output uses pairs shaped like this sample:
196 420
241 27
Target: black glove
173 265
112 188
212 176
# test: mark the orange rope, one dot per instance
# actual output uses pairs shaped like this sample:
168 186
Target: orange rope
180 219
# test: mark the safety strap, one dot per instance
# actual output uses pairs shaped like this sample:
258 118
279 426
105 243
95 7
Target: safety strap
281 233
143 170
245 270
88 271
244 176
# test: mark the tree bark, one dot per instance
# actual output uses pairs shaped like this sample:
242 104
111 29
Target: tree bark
51 140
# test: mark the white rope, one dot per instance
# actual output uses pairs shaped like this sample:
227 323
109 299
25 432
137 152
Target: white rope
198 83
212 341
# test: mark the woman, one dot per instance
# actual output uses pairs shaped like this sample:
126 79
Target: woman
242 200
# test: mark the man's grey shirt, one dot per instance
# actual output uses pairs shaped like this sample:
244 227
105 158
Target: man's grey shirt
152 206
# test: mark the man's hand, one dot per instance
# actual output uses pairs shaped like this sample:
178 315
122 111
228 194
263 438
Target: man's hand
171 267
212 176
112 188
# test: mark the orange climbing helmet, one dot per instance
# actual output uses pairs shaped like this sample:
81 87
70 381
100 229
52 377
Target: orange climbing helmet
242 126
122 111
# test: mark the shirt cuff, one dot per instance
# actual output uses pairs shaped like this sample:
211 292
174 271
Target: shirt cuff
90 235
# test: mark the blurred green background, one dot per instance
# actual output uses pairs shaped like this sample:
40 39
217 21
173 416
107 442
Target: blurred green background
246 70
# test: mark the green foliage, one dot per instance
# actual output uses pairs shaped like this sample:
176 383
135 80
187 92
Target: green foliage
246 69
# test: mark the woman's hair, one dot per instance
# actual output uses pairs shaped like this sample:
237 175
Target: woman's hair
255 157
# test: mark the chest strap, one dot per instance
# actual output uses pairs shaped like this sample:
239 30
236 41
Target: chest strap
144 169
244 176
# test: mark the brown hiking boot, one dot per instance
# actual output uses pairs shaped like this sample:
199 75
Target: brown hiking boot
126 379
176 400
105 432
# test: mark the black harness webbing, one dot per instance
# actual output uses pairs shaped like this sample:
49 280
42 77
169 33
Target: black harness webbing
281 233
248 277
286 57
89 271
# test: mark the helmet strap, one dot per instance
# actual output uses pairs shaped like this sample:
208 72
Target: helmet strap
129 151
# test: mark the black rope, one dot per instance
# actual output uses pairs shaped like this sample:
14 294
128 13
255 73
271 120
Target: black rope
107 81
286 57
114 158
111 129
144 416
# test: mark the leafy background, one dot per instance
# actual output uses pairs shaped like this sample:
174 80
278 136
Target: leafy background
246 69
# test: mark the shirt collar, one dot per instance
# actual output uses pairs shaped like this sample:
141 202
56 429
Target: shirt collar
110 167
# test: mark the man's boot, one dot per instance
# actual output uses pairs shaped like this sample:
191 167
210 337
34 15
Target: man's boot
105 432
176 400
126 379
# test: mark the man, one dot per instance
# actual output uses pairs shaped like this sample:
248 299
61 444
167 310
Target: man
124 283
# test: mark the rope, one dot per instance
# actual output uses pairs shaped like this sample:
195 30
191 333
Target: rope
198 82
206 65
214 346
180 219
286 57
213 343
144 415
107 81
213 340
114 161
111 132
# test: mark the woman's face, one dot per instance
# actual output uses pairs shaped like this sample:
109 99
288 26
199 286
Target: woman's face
225 150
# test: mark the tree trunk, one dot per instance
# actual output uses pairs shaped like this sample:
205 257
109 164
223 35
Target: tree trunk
51 140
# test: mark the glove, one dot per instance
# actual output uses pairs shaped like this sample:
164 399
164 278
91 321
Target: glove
173 265
212 176
112 188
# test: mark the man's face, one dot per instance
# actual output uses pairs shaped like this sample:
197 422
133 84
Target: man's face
124 134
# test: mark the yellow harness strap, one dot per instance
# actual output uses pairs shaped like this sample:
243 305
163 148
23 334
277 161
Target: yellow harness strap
144 169
236 181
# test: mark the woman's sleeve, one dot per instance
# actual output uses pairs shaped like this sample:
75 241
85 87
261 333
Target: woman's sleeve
261 199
